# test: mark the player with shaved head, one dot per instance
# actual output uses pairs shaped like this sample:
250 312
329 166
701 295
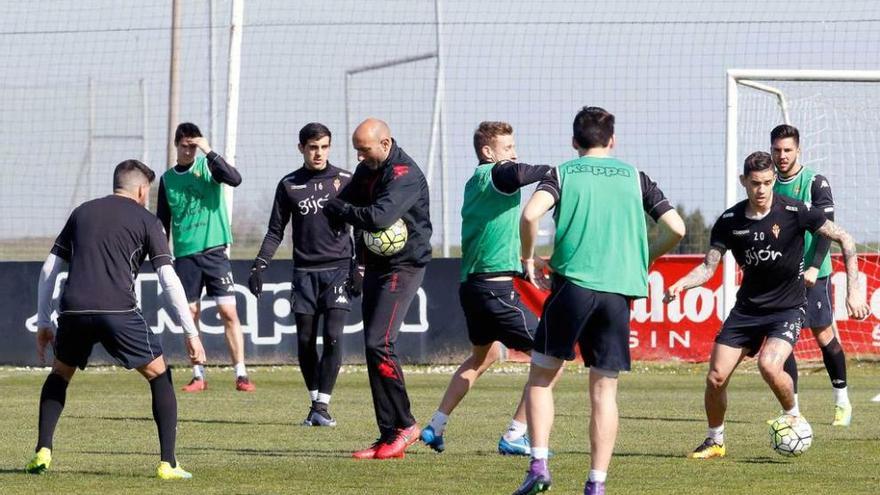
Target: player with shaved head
387 186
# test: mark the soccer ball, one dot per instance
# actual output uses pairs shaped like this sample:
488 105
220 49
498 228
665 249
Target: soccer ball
790 435
387 242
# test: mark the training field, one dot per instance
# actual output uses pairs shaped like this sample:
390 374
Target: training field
251 443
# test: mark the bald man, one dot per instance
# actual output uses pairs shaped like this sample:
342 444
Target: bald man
386 186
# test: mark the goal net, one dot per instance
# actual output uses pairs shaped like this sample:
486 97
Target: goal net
839 122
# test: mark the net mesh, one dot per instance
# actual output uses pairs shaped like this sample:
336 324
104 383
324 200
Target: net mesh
839 124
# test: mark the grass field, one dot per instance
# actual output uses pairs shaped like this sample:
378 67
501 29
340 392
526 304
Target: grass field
251 444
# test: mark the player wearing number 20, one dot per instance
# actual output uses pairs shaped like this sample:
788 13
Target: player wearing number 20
766 235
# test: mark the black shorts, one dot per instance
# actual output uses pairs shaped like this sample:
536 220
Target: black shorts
597 321
494 313
209 269
745 331
315 291
125 336
820 312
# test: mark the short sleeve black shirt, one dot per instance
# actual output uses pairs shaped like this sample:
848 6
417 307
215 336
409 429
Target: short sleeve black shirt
105 241
770 252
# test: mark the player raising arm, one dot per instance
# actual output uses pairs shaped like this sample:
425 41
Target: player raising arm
102 245
766 235
192 208
600 263
490 259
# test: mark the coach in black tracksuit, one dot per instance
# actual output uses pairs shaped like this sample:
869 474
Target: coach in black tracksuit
387 185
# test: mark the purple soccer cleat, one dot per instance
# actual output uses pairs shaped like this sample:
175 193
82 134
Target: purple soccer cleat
537 478
594 488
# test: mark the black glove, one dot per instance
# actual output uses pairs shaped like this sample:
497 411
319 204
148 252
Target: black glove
355 280
335 208
255 281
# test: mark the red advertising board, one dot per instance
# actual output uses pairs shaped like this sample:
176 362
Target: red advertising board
685 329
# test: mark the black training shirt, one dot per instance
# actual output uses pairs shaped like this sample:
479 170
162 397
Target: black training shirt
396 190
301 196
105 241
770 252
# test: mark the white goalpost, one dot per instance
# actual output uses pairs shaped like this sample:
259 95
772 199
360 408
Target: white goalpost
838 114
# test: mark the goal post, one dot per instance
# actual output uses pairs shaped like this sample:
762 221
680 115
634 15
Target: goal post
838 115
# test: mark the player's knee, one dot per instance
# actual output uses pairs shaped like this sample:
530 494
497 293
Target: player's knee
824 336
375 349
64 371
715 380
769 367
228 313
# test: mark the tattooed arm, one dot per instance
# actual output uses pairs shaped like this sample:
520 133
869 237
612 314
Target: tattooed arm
855 296
698 276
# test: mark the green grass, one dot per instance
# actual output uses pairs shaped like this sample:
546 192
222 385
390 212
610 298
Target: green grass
250 443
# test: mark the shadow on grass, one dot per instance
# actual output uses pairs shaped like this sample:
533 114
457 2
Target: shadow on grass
179 420
677 420
69 471
305 452
761 460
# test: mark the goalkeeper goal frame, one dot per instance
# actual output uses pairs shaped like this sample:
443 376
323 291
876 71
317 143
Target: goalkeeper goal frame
761 80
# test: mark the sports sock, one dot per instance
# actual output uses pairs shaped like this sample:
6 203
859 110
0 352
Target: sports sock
841 397
790 367
165 414
313 395
597 476
199 371
716 434
323 399
240 370
794 411
515 430
835 363
52 399
438 422
540 452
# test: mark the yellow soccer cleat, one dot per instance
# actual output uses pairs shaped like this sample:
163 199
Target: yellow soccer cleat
842 415
166 472
40 463
708 449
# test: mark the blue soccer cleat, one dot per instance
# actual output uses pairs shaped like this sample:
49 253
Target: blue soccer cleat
432 439
520 446
537 478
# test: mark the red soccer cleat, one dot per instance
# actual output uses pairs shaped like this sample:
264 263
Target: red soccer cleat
196 385
243 384
369 452
396 448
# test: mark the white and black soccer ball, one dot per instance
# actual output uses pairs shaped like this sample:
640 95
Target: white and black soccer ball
387 242
790 435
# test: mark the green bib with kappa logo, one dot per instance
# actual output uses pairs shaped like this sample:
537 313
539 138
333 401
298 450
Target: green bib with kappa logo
800 187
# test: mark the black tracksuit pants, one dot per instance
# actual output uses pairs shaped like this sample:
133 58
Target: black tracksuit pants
387 295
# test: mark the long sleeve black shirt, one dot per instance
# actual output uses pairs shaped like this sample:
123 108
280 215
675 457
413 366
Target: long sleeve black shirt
378 198
300 197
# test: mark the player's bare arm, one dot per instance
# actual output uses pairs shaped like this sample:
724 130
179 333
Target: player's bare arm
698 276
672 231
855 298
539 204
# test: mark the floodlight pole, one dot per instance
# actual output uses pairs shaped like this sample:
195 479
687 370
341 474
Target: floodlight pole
173 82
232 94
